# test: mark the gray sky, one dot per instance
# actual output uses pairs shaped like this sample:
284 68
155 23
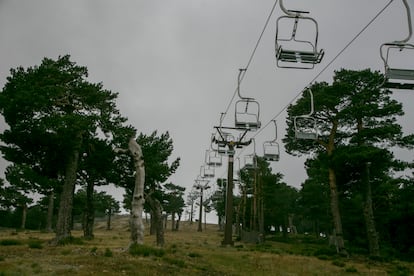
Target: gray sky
175 63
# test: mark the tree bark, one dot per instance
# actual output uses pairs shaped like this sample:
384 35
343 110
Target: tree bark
336 216
173 221
24 215
64 222
136 222
372 234
137 209
50 207
89 212
108 222
157 218
177 224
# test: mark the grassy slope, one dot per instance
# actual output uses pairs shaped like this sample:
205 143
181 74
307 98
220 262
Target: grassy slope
187 252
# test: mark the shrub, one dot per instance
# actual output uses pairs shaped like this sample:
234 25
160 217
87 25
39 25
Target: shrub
144 250
175 261
108 253
93 250
35 244
338 263
194 255
351 269
7 242
71 240
399 270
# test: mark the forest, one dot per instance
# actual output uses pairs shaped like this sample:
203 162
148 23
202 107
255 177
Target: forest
62 132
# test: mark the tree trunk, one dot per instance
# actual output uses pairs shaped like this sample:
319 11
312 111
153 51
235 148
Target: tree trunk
50 207
136 221
173 221
177 224
200 213
153 226
64 222
89 212
255 202
336 216
191 212
372 234
108 222
158 219
24 215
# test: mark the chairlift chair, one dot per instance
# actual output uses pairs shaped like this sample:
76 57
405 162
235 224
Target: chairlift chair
397 77
271 150
222 147
213 158
294 52
247 114
207 171
247 110
250 162
305 125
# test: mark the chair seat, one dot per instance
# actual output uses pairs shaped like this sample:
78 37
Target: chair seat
247 125
299 56
271 157
402 74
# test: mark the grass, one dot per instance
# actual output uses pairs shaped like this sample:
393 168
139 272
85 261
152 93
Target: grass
186 252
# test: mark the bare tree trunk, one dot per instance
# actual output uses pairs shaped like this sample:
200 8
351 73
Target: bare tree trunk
153 226
339 240
24 215
89 212
173 221
137 206
372 234
108 222
158 219
292 227
254 226
136 221
191 212
64 222
177 224
50 207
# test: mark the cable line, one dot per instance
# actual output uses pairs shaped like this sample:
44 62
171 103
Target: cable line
314 79
251 58
326 67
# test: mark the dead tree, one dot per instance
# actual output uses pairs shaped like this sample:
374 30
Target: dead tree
137 206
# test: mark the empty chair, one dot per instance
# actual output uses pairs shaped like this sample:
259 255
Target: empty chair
305 125
296 42
271 150
398 58
247 110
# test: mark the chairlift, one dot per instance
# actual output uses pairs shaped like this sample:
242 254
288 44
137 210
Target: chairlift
247 110
250 160
305 125
293 51
222 148
400 51
223 139
213 158
271 148
207 171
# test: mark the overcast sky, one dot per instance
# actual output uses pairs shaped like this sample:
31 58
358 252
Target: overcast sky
175 63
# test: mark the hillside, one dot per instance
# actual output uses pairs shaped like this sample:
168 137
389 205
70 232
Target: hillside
187 252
